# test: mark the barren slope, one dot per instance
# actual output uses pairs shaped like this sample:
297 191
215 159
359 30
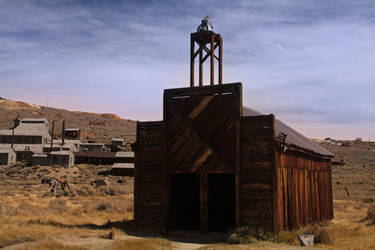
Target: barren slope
98 127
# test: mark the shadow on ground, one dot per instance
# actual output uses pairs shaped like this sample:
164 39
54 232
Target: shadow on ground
129 228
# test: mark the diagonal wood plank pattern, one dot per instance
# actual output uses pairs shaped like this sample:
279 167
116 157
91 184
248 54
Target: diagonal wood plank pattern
202 129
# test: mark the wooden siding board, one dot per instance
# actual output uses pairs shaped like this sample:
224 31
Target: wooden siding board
148 175
257 171
307 196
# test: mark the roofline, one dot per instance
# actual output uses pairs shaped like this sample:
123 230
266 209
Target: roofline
297 149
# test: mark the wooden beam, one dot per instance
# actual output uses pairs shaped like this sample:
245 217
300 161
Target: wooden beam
192 62
212 72
201 47
238 176
220 61
166 184
200 69
209 53
203 137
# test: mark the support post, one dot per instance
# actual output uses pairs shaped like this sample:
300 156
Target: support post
191 61
220 61
201 68
212 59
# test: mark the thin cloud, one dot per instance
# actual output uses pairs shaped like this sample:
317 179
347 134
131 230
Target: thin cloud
309 62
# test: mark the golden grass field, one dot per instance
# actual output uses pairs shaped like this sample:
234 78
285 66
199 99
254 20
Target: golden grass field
31 218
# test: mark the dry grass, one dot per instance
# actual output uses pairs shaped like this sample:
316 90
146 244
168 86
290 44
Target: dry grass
33 217
30 215
143 244
49 244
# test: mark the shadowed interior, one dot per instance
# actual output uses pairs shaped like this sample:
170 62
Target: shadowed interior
185 202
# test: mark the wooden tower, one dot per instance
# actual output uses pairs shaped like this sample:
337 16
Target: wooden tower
204 37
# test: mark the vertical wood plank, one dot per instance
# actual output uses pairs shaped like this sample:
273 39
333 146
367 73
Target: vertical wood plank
220 61
212 59
192 61
201 68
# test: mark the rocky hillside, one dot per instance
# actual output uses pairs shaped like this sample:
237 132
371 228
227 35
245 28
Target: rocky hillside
94 127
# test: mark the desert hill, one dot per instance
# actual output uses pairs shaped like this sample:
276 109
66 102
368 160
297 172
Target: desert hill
97 127
358 173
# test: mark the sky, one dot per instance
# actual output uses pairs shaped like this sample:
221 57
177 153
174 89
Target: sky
309 62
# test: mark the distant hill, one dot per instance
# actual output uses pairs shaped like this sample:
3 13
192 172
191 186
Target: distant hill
97 127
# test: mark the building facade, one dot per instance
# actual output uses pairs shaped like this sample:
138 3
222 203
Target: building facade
210 166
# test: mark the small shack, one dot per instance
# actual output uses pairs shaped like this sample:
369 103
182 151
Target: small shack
119 142
123 169
63 158
91 147
40 159
125 157
72 134
96 158
7 156
212 164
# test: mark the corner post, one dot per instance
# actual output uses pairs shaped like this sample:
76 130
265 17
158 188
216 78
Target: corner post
191 60
212 58
220 41
201 68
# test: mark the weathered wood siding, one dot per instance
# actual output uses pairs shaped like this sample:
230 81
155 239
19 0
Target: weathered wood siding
304 190
257 171
202 127
148 186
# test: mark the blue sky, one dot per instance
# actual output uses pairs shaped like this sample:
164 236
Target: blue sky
311 63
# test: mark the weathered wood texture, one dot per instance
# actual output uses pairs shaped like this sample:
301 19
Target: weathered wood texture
202 127
203 132
304 190
256 172
149 174
203 39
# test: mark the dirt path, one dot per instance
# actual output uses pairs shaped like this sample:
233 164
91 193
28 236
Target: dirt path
105 244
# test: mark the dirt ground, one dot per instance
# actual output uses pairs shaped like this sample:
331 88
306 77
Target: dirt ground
86 217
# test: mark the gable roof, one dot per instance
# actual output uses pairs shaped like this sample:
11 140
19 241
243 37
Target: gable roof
293 138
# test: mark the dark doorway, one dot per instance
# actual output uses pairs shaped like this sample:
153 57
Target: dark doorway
221 202
185 202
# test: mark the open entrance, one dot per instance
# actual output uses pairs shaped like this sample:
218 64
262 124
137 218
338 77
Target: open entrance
221 202
185 202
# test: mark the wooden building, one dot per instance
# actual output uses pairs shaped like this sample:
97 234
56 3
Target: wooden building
63 158
211 164
7 156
